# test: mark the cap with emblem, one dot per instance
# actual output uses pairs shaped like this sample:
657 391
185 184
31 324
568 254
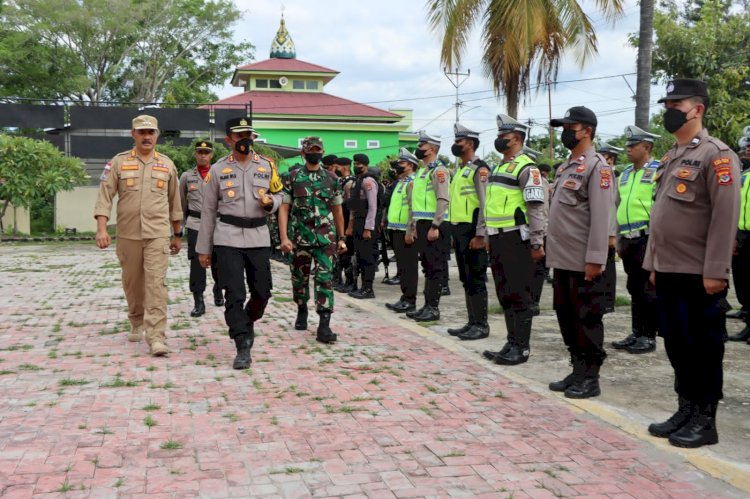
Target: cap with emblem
744 142
682 88
312 141
605 148
577 114
145 122
405 155
239 125
204 145
461 132
328 160
424 138
507 124
636 135
532 153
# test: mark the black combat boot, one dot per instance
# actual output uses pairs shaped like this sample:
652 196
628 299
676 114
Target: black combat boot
429 314
365 292
519 352
398 304
300 324
743 335
455 331
699 431
642 344
490 355
392 281
635 328
676 421
481 328
348 284
740 314
579 368
243 342
405 306
324 333
445 290
412 314
200 305
218 298
585 387
625 342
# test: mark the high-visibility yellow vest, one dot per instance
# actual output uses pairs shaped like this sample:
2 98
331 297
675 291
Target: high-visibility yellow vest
398 209
464 199
636 197
745 200
423 199
504 195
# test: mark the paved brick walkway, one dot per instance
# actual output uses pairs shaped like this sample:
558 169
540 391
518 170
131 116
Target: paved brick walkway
386 412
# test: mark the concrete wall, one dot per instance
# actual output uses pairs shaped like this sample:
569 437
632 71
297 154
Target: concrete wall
75 209
19 217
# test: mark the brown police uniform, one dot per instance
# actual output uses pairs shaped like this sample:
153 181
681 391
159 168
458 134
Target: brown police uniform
148 201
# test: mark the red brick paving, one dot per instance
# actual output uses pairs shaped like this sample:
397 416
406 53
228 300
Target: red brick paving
383 413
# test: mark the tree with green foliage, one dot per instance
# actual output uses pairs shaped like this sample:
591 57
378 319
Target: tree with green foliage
34 170
184 159
120 50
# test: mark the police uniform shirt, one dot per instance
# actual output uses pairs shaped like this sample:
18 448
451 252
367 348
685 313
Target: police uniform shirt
441 184
369 191
191 195
235 189
696 210
148 195
580 213
481 178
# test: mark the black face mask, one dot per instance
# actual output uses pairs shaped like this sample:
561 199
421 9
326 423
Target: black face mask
419 153
745 163
457 150
568 138
360 170
400 169
674 119
501 145
313 157
243 146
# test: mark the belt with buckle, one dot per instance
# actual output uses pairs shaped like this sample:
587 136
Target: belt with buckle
194 214
635 234
245 223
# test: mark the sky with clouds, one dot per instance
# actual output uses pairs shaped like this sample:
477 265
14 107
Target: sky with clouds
388 57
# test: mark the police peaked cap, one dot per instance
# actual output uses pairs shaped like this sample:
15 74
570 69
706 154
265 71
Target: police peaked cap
636 135
461 132
507 124
241 124
204 144
405 155
428 139
532 153
605 148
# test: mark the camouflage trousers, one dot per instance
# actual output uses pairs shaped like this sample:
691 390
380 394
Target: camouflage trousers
302 261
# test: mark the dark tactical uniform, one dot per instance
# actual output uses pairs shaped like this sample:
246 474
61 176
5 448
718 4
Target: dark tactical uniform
366 207
345 261
311 195
741 258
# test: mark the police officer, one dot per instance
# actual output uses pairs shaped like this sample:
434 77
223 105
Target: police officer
541 272
366 211
241 190
191 196
514 214
577 248
428 224
396 220
693 227
346 260
741 257
635 193
466 214
329 163
311 215
146 185
609 152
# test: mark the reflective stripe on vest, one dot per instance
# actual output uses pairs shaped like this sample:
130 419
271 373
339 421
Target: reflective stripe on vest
636 197
423 199
744 223
504 196
398 209
464 199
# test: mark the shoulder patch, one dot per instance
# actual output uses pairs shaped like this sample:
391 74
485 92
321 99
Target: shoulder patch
606 177
723 169
441 176
484 174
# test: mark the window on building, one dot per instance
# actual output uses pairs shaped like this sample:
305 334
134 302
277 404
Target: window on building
373 144
274 84
299 142
311 84
298 84
262 141
350 144
261 83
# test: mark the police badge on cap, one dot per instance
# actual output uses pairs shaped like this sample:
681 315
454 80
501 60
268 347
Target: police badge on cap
682 88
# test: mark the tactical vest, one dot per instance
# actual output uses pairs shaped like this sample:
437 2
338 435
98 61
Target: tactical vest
504 205
398 209
464 205
636 197
423 198
358 205
744 223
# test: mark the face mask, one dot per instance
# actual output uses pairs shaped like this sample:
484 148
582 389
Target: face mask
243 146
457 150
313 157
360 170
400 169
501 145
419 153
745 163
674 119
568 138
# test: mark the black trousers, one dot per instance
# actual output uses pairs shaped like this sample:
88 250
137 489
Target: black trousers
692 323
366 251
609 278
537 279
642 293
433 255
579 305
472 264
235 266
741 271
512 270
198 273
406 265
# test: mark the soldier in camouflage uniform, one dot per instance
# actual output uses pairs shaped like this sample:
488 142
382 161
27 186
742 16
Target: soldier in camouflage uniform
310 209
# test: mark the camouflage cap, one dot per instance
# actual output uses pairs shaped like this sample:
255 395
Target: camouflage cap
310 142
145 122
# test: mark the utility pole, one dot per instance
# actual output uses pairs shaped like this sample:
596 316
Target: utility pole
458 75
551 130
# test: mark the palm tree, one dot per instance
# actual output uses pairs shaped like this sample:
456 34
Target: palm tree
643 78
518 36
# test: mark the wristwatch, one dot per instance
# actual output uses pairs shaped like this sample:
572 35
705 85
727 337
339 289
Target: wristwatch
179 234
536 246
342 238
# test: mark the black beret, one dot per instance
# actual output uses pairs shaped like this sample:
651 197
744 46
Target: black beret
343 161
361 158
329 160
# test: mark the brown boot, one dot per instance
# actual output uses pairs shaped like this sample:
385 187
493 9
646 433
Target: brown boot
136 334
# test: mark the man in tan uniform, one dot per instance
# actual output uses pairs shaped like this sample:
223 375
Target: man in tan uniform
146 184
241 189
689 253
577 248
191 196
